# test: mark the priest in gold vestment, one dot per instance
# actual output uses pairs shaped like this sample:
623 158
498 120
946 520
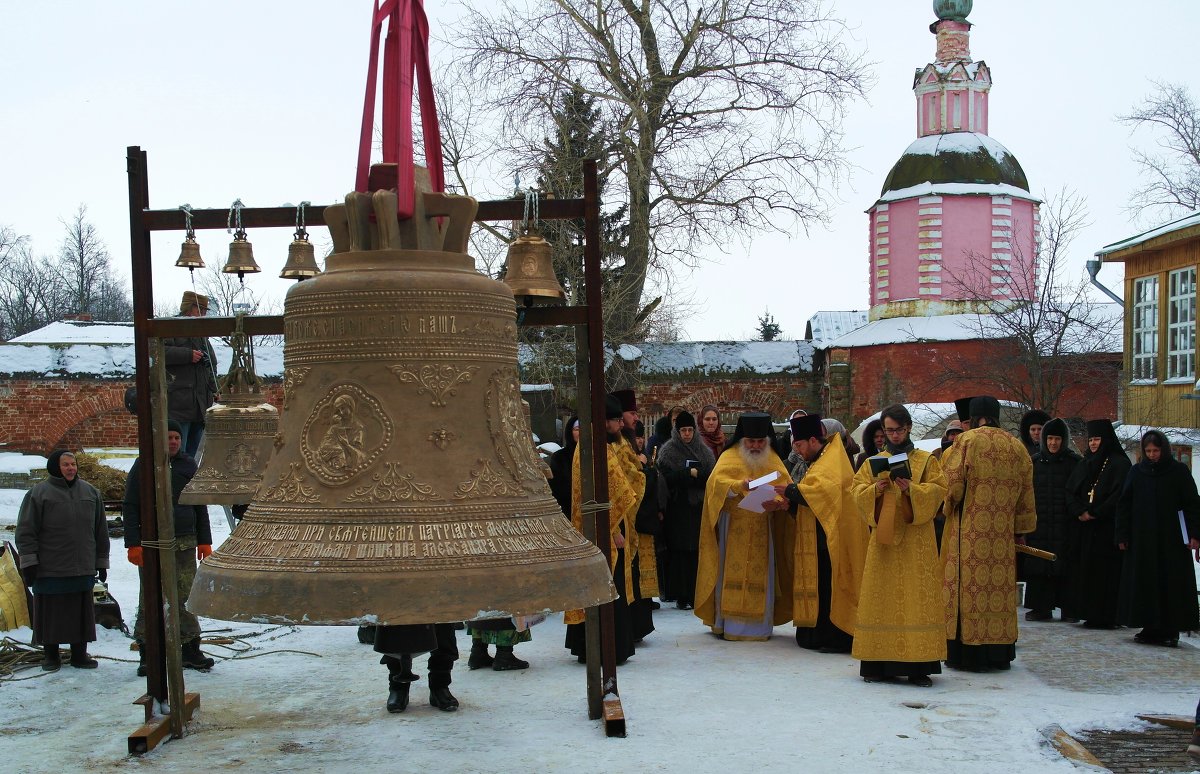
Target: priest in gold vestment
830 540
901 628
624 498
989 503
743 582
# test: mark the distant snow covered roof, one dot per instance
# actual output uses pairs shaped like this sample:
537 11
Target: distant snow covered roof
970 327
723 357
826 326
1186 221
905 330
79 332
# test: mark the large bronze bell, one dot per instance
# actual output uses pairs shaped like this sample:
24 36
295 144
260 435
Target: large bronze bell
301 261
529 270
403 488
238 437
189 255
241 257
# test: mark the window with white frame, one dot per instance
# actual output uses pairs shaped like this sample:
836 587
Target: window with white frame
1181 325
1145 328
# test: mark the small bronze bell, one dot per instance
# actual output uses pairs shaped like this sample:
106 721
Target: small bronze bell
189 255
529 271
239 435
302 259
241 257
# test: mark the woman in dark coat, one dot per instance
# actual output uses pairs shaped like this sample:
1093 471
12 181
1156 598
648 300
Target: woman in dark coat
1047 585
560 466
685 462
62 537
1093 491
1158 526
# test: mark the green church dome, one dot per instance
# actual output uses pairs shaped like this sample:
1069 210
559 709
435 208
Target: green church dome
954 10
958 157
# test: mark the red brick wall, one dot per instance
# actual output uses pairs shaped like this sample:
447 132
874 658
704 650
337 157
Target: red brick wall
778 396
918 373
40 415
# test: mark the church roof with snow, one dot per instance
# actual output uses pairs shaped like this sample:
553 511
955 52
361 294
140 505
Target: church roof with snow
956 157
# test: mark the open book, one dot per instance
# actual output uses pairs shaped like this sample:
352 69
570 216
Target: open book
895 465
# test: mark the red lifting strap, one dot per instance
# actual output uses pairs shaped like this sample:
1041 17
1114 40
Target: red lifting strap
406 49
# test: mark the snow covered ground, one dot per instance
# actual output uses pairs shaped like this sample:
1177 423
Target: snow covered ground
311 699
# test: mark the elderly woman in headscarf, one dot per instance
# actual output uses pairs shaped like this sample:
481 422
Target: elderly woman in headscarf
710 430
1093 491
62 537
685 463
833 426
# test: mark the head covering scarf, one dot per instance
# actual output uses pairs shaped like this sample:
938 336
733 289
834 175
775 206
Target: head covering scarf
868 437
1057 428
52 466
569 442
1028 420
1156 438
716 439
674 454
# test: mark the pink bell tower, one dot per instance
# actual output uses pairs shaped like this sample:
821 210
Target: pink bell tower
954 229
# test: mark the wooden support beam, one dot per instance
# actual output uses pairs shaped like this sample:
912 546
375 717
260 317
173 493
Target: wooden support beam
158 727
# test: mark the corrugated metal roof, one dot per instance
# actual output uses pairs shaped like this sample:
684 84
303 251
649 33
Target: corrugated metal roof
826 326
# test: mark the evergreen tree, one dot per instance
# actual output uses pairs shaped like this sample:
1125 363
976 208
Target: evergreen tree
768 329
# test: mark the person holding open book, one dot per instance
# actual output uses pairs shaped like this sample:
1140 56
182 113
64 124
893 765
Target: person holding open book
901 625
1158 529
831 541
743 582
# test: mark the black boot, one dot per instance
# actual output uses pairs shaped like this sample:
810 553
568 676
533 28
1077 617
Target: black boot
51 661
194 659
479 655
443 699
80 658
141 670
400 678
505 660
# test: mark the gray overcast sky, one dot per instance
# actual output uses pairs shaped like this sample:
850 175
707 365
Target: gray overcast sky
262 101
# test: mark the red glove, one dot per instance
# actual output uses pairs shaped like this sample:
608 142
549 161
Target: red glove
135 555
203 552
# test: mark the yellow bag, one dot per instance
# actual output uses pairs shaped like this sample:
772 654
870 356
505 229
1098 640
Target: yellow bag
14 604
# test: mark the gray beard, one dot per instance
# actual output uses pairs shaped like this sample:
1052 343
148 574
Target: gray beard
756 462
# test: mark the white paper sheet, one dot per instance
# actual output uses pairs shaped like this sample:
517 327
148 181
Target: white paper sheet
756 483
753 501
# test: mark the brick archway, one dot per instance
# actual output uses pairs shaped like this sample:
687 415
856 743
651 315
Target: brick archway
734 399
59 423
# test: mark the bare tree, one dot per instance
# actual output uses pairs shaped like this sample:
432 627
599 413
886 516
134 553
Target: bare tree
1170 174
84 269
30 293
1050 339
724 116
228 295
